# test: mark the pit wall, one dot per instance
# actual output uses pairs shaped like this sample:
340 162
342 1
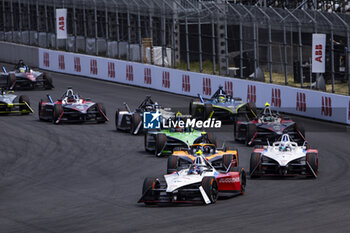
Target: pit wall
303 102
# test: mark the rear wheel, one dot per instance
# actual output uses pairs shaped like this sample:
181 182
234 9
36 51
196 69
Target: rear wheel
116 118
47 82
243 180
135 121
40 109
11 81
160 144
312 159
210 187
212 139
172 164
24 100
148 193
251 130
57 112
208 109
227 159
101 109
254 163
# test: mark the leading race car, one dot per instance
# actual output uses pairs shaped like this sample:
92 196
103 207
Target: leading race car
268 126
220 158
24 77
71 108
284 158
132 121
200 183
222 106
11 103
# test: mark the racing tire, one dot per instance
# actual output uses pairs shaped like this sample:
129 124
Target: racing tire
116 119
149 196
57 112
23 99
212 139
39 109
190 109
208 109
172 164
312 159
300 129
160 144
227 159
101 109
210 187
135 121
145 143
254 163
47 82
11 81
252 110
243 180
251 130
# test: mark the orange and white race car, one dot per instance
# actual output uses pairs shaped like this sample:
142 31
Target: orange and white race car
218 157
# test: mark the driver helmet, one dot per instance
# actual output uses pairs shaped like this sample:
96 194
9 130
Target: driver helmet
283 147
222 98
267 104
156 106
195 170
199 152
22 69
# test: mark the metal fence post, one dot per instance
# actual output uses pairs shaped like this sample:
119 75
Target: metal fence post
118 30
163 38
187 45
106 28
200 43
54 9
96 30
37 21
174 42
129 35
12 20
75 28
139 34
213 43
269 43
85 28
46 26
332 50
20 17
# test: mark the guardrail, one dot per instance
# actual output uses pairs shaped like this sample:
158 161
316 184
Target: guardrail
315 104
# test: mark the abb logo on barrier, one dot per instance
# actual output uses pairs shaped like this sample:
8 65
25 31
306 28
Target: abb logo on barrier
77 66
206 86
166 79
318 53
61 23
93 67
46 59
61 63
129 73
229 88
276 97
251 93
148 76
326 106
301 102
186 85
111 70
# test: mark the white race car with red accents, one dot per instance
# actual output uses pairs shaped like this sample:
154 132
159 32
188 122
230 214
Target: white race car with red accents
284 158
200 183
71 108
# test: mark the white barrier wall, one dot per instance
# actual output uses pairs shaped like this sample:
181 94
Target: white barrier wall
298 101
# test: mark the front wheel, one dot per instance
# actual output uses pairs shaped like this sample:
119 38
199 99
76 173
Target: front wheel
254 163
148 193
210 187
24 101
57 113
243 180
160 144
172 164
102 113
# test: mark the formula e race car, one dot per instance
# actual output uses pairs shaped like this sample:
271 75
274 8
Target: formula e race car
200 183
222 107
220 158
24 77
132 121
166 140
10 103
284 158
71 108
268 126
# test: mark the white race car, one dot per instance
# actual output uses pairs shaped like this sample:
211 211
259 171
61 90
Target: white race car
200 183
284 158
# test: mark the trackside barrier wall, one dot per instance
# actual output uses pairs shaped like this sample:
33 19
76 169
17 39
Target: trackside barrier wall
297 101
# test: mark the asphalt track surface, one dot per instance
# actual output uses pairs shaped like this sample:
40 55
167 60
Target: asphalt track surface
88 177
